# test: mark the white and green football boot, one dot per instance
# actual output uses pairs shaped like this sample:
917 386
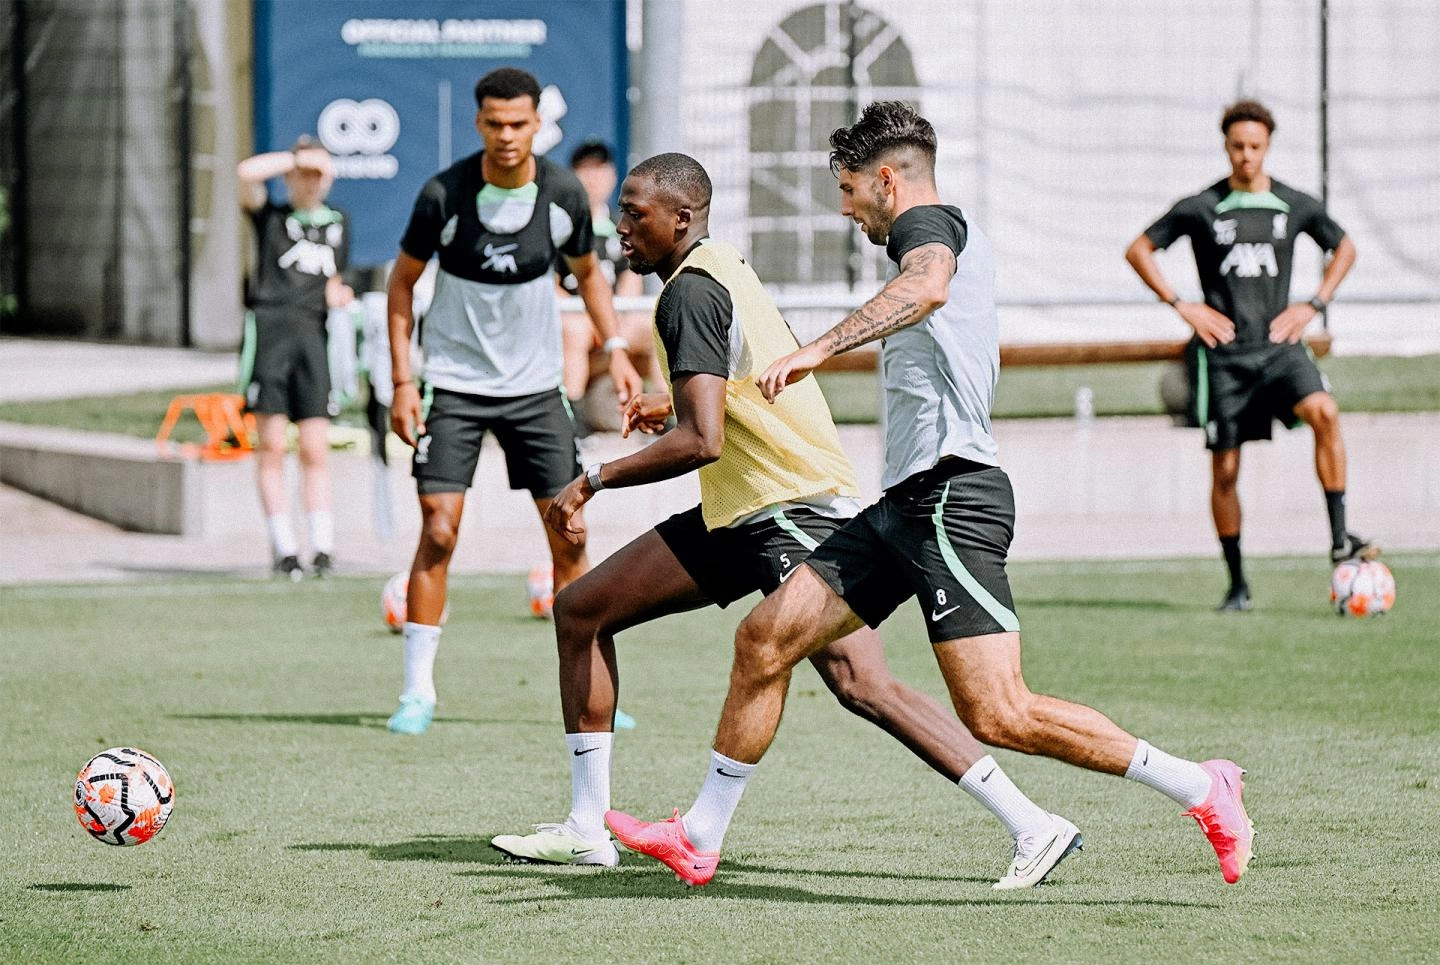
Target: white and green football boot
556 844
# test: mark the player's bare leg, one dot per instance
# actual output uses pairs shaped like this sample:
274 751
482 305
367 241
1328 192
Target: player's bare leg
991 696
855 670
272 430
1225 508
640 582
1319 411
568 558
316 490
440 515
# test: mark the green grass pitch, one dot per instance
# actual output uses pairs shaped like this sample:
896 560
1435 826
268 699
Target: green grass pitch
303 831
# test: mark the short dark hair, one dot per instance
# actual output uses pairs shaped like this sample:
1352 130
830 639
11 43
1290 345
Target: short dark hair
680 175
507 83
884 126
1247 110
593 152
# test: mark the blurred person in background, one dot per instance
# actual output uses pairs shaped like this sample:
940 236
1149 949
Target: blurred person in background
1249 365
586 358
302 246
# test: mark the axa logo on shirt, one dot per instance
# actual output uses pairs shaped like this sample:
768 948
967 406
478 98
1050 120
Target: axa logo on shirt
1250 260
499 258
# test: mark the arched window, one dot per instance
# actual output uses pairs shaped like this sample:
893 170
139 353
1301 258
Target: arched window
816 69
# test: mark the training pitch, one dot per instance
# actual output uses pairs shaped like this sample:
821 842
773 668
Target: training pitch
303 830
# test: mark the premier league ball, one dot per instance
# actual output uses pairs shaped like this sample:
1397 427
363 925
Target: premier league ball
123 796
1362 588
540 589
392 601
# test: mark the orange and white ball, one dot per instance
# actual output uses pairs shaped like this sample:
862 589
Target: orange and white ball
540 589
123 796
1362 588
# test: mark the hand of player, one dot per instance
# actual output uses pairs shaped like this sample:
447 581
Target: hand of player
563 514
315 159
789 368
405 413
628 383
1290 324
337 293
645 413
1212 327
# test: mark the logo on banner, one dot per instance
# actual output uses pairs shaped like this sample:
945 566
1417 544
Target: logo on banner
551 108
360 134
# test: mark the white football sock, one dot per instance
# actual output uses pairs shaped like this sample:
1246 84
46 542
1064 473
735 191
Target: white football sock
589 783
708 820
282 537
421 642
1184 782
322 531
992 787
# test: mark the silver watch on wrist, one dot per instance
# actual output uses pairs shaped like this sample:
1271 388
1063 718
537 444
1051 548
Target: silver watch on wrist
592 476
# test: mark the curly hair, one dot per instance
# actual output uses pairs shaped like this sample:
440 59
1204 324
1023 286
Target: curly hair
679 175
884 126
507 83
1247 110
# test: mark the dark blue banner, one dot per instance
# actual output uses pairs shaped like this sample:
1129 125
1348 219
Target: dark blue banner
388 87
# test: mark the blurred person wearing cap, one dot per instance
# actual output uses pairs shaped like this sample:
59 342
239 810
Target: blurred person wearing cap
302 246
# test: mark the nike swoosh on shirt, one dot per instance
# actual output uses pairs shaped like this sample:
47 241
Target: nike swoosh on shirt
936 616
787 574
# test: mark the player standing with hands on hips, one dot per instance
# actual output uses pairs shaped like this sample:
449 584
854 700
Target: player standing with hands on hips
492 347
1250 367
303 246
940 531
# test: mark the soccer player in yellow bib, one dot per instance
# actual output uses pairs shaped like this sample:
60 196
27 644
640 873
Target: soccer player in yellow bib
774 484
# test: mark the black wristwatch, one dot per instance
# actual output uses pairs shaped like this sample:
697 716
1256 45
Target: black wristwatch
1318 303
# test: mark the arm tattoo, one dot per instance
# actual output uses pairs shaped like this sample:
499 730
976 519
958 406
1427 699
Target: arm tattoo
894 307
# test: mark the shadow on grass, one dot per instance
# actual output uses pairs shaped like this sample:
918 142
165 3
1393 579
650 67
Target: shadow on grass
428 847
64 886
637 880
370 721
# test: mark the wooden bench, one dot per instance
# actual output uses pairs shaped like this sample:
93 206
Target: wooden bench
1064 353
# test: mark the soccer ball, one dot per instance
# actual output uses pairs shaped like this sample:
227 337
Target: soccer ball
540 588
1362 588
123 796
392 601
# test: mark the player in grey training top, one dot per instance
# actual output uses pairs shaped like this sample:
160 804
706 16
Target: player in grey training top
940 532
939 374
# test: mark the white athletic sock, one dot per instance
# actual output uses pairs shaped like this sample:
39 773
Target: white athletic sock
589 783
282 536
322 530
992 787
707 821
1184 782
421 642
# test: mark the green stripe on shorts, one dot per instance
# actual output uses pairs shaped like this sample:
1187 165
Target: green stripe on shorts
795 532
1202 386
1008 621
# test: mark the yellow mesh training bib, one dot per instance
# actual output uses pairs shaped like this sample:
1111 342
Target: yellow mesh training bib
772 453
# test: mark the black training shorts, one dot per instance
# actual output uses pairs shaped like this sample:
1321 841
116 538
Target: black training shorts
291 372
535 431
1239 394
941 535
735 561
